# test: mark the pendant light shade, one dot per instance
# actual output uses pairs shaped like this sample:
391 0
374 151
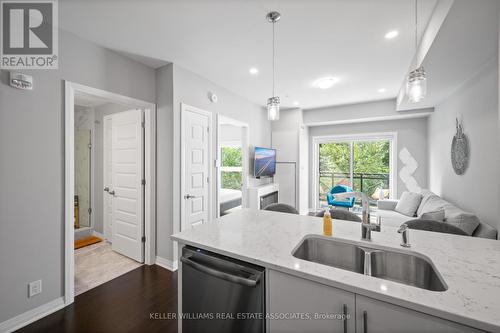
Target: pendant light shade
273 103
416 81
416 85
273 108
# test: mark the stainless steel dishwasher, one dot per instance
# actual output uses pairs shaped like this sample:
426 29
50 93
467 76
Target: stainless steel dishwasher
221 294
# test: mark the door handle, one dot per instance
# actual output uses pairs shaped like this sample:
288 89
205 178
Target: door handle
249 282
106 189
189 196
344 319
365 322
112 192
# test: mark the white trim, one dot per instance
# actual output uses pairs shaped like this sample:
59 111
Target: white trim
28 317
391 136
167 263
98 234
245 139
184 108
105 181
370 119
150 172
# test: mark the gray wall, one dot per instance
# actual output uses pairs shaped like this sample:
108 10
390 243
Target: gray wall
32 165
412 134
192 89
99 113
476 104
164 160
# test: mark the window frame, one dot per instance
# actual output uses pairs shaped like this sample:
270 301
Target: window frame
392 137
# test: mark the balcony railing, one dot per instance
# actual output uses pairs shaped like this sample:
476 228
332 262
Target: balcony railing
363 182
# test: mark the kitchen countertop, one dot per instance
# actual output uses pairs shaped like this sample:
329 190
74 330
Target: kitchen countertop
470 266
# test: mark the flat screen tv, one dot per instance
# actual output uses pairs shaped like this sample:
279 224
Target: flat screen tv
265 162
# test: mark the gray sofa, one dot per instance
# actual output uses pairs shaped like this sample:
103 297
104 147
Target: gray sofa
431 202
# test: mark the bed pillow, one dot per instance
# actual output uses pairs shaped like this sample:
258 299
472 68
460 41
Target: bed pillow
408 204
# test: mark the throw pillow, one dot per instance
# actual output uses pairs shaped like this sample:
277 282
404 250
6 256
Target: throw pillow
408 203
437 215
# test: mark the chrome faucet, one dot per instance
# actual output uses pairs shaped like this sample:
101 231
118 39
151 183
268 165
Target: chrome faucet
405 234
366 226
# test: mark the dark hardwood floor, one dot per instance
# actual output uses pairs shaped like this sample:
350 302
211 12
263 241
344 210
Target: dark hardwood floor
124 304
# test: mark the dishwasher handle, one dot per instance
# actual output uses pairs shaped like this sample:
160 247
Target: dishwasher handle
252 282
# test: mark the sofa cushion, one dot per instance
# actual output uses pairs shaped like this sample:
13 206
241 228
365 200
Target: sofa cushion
433 203
438 215
391 218
408 203
425 196
468 222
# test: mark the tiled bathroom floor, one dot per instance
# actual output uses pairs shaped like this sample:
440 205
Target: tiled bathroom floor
97 264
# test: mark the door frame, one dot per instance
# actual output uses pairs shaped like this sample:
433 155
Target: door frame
211 190
105 222
69 180
245 139
393 161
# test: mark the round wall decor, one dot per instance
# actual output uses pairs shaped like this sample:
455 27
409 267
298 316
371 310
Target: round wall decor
460 153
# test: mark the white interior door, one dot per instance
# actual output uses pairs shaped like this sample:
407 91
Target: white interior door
127 170
196 164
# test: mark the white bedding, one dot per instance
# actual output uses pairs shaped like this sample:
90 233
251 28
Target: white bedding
226 194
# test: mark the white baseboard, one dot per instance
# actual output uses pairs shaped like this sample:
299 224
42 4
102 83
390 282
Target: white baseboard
98 234
32 315
166 263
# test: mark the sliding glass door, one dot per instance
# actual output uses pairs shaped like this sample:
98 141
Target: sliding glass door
363 163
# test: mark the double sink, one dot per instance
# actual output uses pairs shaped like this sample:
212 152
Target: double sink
408 268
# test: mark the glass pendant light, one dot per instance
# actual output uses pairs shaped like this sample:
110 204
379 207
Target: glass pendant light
273 103
416 82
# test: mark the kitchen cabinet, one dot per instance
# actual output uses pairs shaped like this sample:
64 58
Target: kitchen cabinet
290 295
315 306
373 316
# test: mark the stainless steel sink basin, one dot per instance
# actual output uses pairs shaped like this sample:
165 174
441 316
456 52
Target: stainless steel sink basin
407 268
332 253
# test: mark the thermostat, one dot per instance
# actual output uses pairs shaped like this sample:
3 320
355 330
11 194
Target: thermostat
21 81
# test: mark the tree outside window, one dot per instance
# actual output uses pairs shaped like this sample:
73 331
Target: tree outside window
231 168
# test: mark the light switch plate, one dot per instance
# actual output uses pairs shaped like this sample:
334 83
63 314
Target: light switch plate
34 288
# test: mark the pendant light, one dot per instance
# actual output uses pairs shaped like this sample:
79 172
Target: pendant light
416 82
273 103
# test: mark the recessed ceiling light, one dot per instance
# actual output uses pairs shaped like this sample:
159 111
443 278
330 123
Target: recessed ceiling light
296 103
253 71
392 34
382 90
326 82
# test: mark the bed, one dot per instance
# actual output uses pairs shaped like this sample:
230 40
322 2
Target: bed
228 199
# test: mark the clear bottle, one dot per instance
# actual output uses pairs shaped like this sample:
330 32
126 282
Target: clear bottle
327 223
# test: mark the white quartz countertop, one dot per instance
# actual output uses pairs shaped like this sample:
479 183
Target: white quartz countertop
470 266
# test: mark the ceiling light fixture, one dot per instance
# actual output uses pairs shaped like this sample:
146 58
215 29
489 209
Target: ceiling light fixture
273 103
296 103
254 71
392 34
382 90
326 82
416 81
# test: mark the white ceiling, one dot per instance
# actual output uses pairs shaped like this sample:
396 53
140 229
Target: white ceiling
222 39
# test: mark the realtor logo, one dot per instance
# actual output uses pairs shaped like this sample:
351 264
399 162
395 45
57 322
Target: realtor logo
29 36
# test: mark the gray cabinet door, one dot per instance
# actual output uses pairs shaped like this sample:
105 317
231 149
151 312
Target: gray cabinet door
302 301
374 316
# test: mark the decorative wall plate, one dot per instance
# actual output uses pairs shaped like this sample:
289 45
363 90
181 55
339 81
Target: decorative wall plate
460 153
